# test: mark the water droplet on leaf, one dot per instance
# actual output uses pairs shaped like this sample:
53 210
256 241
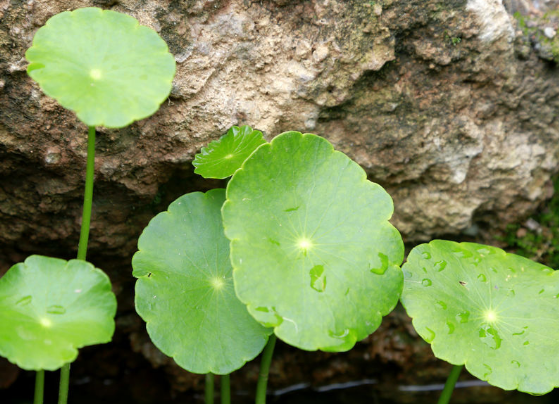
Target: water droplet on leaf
430 335
451 327
318 278
482 278
463 317
515 363
56 309
426 255
383 265
489 371
490 337
440 266
426 282
24 300
442 305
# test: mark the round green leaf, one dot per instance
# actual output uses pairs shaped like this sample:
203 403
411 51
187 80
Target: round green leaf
49 308
221 158
103 65
312 249
185 289
497 313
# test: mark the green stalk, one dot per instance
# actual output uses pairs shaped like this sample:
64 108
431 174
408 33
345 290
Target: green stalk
64 384
88 194
209 388
39 387
82 246
449 385
264 370
225 389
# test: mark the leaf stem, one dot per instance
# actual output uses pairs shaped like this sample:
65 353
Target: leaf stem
84 237
264 370
64 384
209 388
449 385
39 387
88 194
225 389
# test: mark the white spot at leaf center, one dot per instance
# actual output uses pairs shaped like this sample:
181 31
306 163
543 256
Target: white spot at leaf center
45 322
304 244
95 74
490 316
217 283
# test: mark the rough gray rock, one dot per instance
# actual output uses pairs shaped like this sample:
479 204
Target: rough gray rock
432 100
445 104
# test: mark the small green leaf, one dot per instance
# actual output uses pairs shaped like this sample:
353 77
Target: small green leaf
497 313
221 158
49 308
185 289
312 249
102 65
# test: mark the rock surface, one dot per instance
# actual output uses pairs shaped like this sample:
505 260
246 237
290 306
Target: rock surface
446 104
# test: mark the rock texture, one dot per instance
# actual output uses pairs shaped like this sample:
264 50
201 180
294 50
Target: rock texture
445 103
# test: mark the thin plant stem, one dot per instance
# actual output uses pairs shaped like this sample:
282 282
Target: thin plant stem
88 194
64 384
225 389
209 388
82 246
39 387
449 385
264 370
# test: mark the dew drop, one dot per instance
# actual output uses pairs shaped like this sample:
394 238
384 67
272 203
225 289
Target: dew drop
339 335
426 282
489 371
521 332
383 265
515 363
490 337
463 317
440 266
511 293
526 343
24 300
483 251
318 278
48 342
25 334
463 254
451 327
262 309
442 305
482 278
541 291
426 255
430 335
56 309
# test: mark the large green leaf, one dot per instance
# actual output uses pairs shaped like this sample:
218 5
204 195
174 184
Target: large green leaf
312 249
497 313
221 158
185 288
49 308
103 65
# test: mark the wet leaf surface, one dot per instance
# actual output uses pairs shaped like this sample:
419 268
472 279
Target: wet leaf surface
497 313
185 289
49 308
312 250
